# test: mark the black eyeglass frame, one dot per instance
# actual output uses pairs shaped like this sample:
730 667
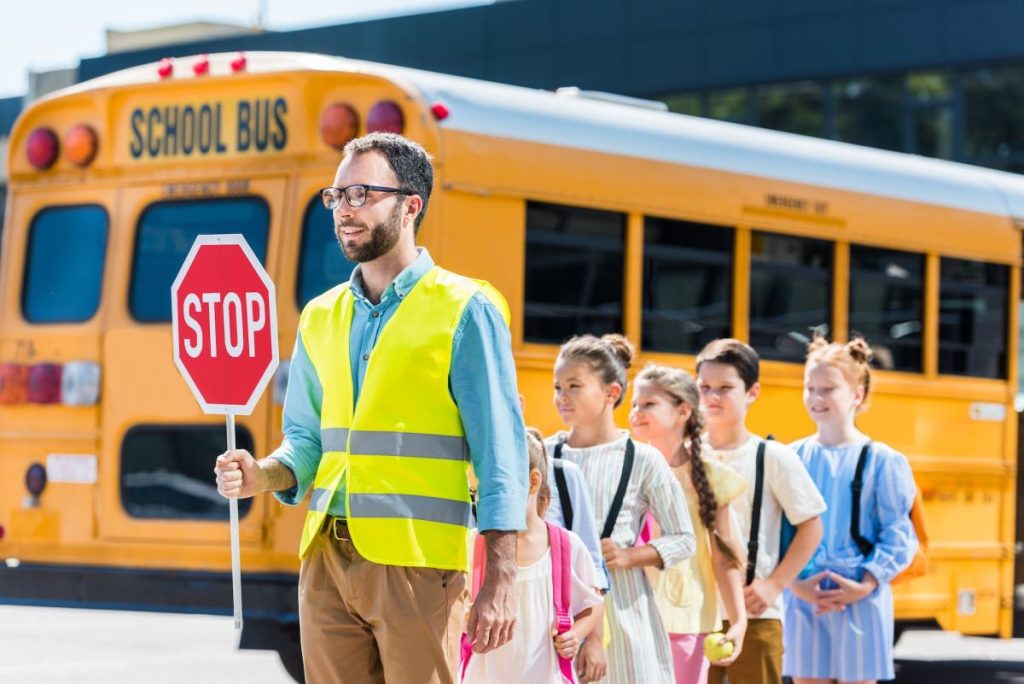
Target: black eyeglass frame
343 193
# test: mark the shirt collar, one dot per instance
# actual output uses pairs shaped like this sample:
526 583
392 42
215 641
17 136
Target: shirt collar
402 284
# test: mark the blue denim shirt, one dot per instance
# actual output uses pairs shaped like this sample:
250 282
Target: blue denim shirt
482 384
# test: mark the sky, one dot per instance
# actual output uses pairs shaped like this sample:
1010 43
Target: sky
54 34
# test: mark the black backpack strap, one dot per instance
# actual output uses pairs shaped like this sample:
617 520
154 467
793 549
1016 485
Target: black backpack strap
755 513
857 486
563 489
620 493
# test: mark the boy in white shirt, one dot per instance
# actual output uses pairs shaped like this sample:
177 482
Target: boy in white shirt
727 375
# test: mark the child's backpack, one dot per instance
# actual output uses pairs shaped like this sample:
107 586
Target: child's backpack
919 565
561 589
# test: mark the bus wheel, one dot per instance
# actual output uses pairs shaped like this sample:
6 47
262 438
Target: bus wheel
283 637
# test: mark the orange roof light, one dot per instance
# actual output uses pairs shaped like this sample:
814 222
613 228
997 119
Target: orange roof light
386 117
42 148
80 145
339 123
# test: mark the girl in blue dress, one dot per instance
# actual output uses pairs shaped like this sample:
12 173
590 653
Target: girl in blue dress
839 614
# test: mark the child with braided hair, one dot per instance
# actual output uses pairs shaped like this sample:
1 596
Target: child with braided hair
665 413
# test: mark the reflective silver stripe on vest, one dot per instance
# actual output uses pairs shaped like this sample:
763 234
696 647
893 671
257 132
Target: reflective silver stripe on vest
384 443
409 506
333 439
320 499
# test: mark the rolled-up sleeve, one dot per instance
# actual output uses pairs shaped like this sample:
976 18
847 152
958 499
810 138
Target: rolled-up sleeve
300 450
897 541
665 498
483 385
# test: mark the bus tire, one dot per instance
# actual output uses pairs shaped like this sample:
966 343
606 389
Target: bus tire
271 635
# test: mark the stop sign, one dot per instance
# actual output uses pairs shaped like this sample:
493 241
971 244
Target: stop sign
224 318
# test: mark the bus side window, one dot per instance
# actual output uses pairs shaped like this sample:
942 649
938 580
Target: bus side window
790 294
165 235
687 285
887 304
64 262
322 265
574 272
973 318
166 471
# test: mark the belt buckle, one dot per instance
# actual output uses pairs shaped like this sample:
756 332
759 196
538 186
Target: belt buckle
335 524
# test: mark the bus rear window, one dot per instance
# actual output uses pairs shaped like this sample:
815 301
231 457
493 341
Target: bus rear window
167 471
973 318
165 235
67 247
321 263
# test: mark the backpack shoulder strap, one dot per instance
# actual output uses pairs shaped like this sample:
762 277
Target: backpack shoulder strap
865 546
755 512
563 488
620 493
561 585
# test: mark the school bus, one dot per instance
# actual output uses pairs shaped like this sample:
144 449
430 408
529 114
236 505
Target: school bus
590 212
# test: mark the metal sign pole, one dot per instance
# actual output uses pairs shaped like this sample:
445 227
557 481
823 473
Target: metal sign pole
236 562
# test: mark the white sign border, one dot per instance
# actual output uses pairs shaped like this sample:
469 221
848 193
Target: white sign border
226 239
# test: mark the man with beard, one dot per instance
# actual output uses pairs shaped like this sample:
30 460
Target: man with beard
401 379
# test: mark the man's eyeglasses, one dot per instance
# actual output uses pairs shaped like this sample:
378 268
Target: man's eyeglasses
355 195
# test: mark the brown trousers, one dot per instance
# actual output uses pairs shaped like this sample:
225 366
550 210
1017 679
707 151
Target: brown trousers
362 623
760 661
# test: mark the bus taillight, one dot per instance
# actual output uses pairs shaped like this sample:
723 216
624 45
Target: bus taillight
13 383
80 383
44 383
42 148
385 117
80 145
338 124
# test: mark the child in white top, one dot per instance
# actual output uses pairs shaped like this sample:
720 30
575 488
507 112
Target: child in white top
533 653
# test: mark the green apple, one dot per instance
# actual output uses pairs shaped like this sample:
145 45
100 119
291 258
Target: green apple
717 647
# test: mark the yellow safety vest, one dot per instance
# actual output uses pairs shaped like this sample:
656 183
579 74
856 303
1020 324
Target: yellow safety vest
401 451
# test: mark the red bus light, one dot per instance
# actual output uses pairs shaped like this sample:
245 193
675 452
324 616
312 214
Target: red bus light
238 63
385 117
80 145
44 383
440 110
165 69
201 66
13 383
338 124
42 148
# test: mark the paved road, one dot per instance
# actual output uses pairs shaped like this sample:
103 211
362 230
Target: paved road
65 646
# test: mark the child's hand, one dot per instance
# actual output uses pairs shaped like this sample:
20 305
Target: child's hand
567 643
848 591
735 635
760 595
615 557
807 589
592 662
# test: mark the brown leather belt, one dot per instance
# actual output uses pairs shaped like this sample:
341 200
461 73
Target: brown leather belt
338 528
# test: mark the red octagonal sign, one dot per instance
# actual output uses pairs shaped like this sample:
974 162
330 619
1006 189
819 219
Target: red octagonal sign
224 319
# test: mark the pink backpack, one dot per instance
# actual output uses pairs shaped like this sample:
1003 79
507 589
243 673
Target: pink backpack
561 584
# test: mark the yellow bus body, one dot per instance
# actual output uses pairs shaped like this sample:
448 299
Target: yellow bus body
486 171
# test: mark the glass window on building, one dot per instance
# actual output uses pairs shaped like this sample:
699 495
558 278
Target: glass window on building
932 116
973 318
67 248
687 284
868 111
792 107
993 102
165 236
886 304
730 105
790 294
684 103
322 265
574 272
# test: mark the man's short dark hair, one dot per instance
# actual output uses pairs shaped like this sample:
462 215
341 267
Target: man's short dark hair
409 161
730 352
